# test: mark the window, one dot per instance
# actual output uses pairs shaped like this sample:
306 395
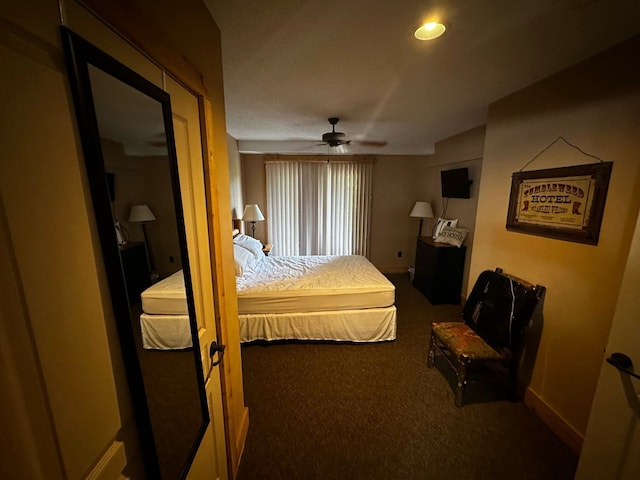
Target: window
319 207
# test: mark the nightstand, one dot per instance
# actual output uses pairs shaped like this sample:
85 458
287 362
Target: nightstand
266 249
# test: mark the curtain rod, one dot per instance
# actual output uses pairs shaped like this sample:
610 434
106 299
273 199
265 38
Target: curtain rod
270 158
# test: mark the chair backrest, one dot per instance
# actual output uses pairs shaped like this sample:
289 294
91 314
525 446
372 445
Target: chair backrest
500 307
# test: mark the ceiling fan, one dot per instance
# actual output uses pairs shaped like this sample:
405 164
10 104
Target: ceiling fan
158 140
337 139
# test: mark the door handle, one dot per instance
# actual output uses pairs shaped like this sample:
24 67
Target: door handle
213 349
623 363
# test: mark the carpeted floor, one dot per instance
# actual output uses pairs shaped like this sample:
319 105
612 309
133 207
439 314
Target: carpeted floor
375 411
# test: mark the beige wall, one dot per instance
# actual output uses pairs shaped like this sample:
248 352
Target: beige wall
235 178
594 105
396 188
255 191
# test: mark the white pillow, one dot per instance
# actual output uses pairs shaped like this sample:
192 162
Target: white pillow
245 260
250 243
443 222
452 236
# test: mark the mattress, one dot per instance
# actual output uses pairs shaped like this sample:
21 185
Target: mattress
165 332
313 284
166 297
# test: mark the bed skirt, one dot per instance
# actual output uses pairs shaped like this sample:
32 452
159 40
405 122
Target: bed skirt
165 332
363 325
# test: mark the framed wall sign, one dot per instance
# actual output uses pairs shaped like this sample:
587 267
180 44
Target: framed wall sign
565 203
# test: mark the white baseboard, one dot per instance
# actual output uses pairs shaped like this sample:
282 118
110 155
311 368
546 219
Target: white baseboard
555 422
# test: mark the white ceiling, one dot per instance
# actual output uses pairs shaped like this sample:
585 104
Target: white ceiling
291 64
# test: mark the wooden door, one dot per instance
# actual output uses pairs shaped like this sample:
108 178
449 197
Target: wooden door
210 461
612 441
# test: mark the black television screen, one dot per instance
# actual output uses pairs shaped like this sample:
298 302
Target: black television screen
455 183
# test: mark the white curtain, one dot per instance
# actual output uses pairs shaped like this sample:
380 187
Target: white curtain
319 208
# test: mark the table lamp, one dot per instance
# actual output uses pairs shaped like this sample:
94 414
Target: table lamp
421 210
252 214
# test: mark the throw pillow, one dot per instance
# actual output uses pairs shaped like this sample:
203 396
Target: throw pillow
245 260
452 236
443 222
250 243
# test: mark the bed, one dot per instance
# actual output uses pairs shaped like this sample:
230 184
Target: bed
164 321
334 298
331 298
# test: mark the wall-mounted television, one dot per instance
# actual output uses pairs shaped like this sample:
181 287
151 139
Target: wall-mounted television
455 183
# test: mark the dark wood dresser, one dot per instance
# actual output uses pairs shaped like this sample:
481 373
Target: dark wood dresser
439 269
136 269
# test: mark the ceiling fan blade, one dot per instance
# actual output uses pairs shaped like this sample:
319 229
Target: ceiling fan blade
371 143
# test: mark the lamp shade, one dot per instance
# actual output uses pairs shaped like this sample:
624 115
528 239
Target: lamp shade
252 213
422 210
141 213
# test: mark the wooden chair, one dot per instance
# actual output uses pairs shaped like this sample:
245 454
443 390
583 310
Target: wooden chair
495 318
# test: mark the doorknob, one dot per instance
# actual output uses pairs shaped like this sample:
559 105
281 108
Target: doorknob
623 363
213 349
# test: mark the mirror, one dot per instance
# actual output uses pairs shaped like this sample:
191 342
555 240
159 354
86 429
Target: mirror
126 130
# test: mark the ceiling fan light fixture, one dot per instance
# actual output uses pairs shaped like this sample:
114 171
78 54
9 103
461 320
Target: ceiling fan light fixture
338 140
333 138
429 31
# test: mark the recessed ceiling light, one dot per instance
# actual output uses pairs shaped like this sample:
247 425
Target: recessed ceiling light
429 31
